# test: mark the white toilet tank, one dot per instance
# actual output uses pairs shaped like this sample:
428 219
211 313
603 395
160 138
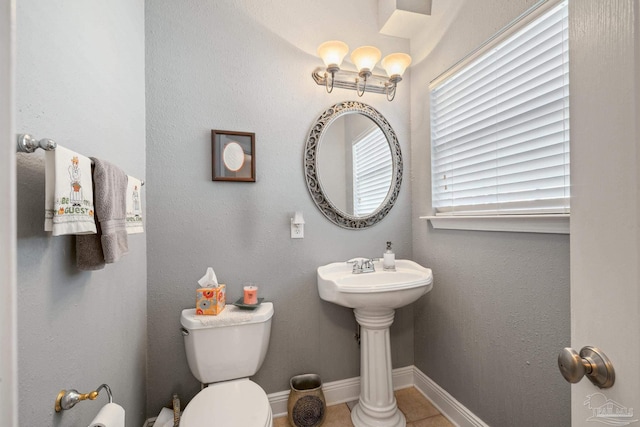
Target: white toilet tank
230 345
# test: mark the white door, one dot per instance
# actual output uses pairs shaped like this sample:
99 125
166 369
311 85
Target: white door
605 204
8 371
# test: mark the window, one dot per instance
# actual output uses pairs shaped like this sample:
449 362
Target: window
372 171
500 124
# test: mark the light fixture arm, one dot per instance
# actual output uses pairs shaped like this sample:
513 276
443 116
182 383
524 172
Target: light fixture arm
326 81
331 69
391 86
358 92
363 74
391 91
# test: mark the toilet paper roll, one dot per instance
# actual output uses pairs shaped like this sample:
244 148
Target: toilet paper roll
111 415
164 417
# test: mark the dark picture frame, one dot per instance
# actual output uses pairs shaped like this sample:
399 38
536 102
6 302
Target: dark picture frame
233 156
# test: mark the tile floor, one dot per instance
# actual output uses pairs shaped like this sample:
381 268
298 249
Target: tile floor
418 411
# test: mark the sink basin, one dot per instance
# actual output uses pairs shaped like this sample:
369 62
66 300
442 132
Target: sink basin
380 289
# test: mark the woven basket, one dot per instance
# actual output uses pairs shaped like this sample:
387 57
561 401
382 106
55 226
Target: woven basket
306 406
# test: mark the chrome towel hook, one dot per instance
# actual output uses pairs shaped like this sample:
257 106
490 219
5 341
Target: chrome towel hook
67 399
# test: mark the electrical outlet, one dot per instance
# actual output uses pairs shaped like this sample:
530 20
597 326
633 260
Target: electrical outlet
297 231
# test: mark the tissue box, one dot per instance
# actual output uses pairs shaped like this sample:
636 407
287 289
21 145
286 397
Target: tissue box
211 301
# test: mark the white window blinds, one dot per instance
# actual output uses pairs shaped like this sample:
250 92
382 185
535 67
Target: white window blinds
372 171
500 126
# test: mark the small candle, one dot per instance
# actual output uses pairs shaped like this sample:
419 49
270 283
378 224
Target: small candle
250 294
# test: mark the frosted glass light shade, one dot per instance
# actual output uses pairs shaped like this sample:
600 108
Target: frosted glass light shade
366 57
333 52
396 64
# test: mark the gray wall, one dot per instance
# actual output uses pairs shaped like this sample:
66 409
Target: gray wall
490 330
246 66
80 81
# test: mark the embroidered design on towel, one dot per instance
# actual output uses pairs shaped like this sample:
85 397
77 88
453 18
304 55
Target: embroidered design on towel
134 206
75 207
70 208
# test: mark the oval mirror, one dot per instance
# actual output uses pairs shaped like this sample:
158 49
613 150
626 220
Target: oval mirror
353 165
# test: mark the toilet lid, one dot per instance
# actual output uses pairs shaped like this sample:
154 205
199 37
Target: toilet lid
240 403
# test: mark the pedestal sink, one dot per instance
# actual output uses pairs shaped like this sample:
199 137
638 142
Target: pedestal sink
374 298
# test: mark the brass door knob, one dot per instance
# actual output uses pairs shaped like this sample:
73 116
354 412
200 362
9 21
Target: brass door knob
591 362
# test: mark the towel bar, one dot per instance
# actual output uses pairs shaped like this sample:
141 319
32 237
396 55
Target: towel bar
28 144
67 399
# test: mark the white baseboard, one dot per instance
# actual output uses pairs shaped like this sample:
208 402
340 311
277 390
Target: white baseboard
348 390
448 406
403 377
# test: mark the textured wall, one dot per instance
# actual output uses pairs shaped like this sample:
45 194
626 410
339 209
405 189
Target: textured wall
490 331
246 66
80 81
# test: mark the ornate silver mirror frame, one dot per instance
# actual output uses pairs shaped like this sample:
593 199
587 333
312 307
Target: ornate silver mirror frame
314 185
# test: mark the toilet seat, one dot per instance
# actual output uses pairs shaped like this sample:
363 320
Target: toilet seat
237 403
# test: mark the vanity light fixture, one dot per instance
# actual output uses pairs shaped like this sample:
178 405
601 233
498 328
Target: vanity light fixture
365 59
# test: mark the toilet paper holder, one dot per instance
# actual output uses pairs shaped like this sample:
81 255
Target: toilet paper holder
67 399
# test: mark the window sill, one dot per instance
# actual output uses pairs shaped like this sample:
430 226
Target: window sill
554 224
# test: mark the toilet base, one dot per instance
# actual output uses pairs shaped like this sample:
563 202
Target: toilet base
232 403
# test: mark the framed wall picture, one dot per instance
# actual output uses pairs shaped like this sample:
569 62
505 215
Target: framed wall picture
233 155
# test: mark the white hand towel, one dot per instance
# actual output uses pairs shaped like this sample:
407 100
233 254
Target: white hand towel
68 193
111 415
134 206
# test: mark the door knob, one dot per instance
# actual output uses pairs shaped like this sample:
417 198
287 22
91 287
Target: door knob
591 362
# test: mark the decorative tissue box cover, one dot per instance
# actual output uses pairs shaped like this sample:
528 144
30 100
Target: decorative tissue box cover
211 301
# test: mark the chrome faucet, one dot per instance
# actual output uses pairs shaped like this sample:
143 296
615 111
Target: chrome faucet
362 265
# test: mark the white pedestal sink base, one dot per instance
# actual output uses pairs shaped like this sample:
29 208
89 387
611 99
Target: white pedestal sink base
377 406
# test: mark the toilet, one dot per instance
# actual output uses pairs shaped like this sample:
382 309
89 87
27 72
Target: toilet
222 352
